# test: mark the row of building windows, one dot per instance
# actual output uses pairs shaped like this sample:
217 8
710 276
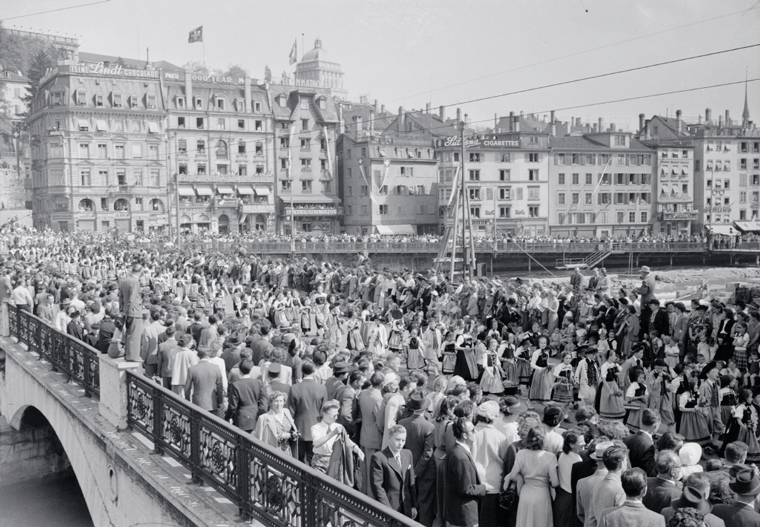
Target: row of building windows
120 205
116 99
725 146
395 190
217 102
607 179
607 198
307 186
221 124
574 218
398 152
305 143
221 169
100 151
305 164
603 159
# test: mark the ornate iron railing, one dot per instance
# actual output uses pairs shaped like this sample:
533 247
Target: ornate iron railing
264 484
74 358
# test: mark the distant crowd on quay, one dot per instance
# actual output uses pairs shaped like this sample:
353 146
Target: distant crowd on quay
491 402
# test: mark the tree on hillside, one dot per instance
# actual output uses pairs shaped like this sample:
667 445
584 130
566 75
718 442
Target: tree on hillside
11 56
235 70
37 69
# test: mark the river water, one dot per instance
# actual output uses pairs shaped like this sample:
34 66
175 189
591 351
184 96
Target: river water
57 503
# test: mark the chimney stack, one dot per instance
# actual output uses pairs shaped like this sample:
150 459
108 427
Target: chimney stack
511 121
600 125
679 124
517 123
382 109
442 113
720 120
708 115
247 93
495 123
341 124
612 127
372 110
641 122
578 122
459 114
552 125
728 119
401 118
358 119
427 107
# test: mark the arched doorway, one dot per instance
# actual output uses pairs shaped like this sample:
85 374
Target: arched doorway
224 224
261 223
185 223
121 205
156 205
203 223
86 205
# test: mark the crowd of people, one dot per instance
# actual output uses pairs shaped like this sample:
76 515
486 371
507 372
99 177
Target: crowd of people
491 402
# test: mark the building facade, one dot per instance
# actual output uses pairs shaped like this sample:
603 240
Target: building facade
389 176
221 148
600 185
506 178
673 180
99 154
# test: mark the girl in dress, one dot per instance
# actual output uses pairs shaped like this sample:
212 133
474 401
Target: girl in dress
522 362
508 361
564 380
672 351
320 307
449 354
609 394
354 340
727 397
395 338
543 379
305 316
636 397
753 369
694 427
415 358
491 380
740 346
743 427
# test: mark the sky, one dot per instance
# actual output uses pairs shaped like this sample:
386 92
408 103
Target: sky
408 53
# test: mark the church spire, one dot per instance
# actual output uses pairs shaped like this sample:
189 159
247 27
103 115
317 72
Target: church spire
745 113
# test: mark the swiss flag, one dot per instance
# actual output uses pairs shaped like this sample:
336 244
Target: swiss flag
196 35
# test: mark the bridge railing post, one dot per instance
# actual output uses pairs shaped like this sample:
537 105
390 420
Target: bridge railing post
113 389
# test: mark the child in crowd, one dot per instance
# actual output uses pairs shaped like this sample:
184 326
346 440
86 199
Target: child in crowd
753 369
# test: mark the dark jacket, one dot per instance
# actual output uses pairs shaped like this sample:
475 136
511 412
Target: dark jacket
204 385
391 484
463 488
305 402
737 515
641 453
660 493
244 403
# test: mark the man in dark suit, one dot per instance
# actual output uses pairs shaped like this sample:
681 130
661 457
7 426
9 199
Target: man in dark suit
419 441
338 379
742 513
641 444
392 474
260 348
666 487
166 352
305 403
659 319
204 383
130 300
244 399
107 329
463 486
369 400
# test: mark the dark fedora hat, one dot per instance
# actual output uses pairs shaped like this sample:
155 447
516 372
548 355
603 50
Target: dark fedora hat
417 401
693 498
746 483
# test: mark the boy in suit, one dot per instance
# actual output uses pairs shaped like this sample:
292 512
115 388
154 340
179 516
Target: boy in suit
392 474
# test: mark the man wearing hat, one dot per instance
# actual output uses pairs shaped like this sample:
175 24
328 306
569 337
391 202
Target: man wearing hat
632 512
489 448
419 441
746 485
696 492
585 486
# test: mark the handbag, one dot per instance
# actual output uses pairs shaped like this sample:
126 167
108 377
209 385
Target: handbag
508 499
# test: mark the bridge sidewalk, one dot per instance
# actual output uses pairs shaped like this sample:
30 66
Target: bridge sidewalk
201 505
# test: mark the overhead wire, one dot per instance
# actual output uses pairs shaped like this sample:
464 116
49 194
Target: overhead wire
55 10
577 53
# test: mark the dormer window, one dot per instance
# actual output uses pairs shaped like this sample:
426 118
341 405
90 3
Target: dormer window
99 100
133 103
304 104
80 97
198 103
116 100
240 105
323 104
151 100
56 98
220 103
283 101
257 107
180 102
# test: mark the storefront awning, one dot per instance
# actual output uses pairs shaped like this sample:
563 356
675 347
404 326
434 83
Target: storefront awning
186 191
245 190
261 191
153 128
395 229
747 226
204 190
101 126
225 189
726 230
